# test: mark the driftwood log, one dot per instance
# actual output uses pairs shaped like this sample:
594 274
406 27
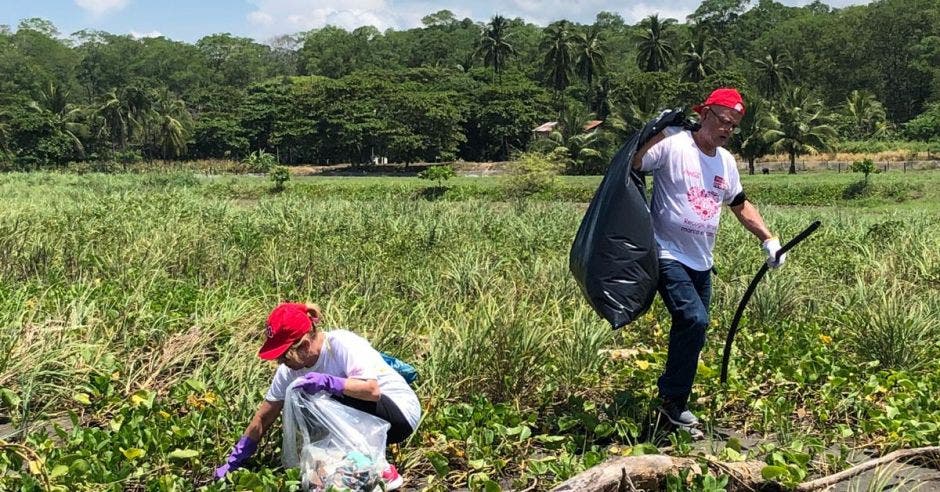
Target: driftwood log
649 472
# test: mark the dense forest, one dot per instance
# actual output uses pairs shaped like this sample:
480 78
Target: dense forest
813 77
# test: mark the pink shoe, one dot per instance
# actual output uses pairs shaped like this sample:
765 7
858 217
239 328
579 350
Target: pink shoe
392 479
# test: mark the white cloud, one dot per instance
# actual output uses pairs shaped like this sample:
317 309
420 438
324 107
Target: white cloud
141 35
302 15
544 12
637 12
99 7
272 17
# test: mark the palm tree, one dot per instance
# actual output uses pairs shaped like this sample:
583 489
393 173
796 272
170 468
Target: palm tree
749 143
558 55
773 72
655 44
172 124
580 148
123 115
700 60
600 98
65 117
494 44
798 125
866 115
590 58
4 137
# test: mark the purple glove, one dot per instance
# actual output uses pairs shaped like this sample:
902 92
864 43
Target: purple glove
314 382
243 450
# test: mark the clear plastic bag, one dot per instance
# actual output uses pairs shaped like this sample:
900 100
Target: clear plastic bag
337 448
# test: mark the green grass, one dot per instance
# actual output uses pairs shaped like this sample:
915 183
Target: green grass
920 188
135 303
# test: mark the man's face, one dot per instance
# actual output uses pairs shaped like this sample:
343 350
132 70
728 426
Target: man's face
719 123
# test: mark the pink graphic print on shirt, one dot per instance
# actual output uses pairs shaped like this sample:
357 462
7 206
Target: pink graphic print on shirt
702 202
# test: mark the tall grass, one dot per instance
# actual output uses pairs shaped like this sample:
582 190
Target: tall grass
156 279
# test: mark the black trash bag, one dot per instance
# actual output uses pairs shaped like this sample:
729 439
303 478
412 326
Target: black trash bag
613 257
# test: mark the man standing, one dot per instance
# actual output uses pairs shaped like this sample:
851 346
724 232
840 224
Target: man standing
693 175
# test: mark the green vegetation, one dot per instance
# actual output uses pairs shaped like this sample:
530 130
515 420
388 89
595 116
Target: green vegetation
133 307
279 176
862 77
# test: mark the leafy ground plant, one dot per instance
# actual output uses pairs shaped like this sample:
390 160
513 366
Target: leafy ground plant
132 306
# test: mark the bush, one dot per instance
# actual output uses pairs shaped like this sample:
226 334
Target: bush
279 175
260 162
924 127
887 327
532 173
866 166
438 174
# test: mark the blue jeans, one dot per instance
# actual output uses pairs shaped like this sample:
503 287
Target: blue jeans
686 293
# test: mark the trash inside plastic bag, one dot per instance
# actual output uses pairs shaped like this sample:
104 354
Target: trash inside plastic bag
337 448
406 370
613 257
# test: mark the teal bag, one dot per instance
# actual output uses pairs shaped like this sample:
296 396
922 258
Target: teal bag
406 370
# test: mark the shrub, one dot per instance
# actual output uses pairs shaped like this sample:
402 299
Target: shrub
279 175
532 173
866 166
260 162
438 174
886 327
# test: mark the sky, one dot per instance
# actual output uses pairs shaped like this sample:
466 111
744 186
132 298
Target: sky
189 20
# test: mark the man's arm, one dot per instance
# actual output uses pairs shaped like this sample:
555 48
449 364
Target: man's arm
638 158
751 219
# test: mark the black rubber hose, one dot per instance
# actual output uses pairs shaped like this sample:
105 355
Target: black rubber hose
750 291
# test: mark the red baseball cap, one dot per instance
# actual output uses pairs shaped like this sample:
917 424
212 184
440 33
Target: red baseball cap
725 96
287 323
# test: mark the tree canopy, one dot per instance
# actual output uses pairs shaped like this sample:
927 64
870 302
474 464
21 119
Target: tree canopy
462 89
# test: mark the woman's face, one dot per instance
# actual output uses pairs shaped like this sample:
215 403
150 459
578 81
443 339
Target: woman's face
303 353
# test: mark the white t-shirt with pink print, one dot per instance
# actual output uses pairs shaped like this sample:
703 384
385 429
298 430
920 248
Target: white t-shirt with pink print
689 188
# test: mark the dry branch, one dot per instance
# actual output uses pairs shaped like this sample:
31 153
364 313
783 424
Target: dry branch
648 472
901 454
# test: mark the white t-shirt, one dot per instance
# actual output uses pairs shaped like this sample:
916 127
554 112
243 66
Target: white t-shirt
347 355
688 190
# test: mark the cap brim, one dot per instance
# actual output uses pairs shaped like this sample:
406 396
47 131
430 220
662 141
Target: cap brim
271 351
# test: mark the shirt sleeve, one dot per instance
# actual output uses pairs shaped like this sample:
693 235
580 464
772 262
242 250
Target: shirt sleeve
357 357
278 389
654 157
734 181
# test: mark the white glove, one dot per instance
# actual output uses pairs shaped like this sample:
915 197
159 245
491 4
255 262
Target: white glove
771 246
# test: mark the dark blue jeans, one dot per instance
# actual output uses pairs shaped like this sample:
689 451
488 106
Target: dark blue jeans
686 293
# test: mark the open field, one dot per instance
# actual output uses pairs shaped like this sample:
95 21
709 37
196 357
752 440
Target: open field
132 306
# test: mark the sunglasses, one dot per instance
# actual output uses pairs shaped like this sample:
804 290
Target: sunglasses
726 122
290 349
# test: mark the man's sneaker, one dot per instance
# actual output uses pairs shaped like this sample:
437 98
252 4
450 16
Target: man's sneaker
392 479
695 433
677 414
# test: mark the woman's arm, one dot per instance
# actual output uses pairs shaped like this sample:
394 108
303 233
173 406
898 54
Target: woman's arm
264 417
362 389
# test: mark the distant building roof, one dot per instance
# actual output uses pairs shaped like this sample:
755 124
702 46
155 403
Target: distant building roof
545 127
590 125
